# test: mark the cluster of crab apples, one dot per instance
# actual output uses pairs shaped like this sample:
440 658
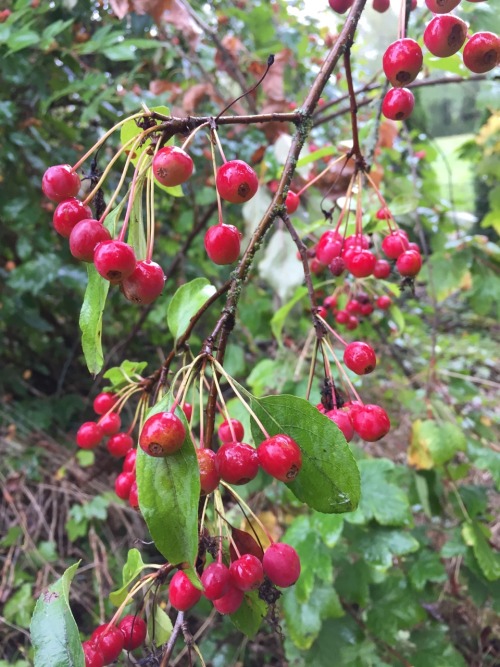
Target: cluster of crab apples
108 641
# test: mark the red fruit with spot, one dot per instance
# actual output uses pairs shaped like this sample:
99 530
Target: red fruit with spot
133 496
441 6
84 238
281 564
222 243
129 461
402 61
226 435
172 166
230 602
398 104
361 264
337 266
89 435
182 594
343 421
114 260
237 463
409 263
280 457
382 269
366 309
371 422
68 213
236 181
209 477
162 434
292 202
145 283
246 573
119 444
123 484
340 6
110 423
353 306
109 639
330 302
384 302
444 35
104 402
395 244
134 632
482 52
381 5
216 581
316 266
329 246
359 357
92 654
60 182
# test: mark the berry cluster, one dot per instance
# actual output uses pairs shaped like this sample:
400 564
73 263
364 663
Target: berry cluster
359 305
108 641
369 421
90 434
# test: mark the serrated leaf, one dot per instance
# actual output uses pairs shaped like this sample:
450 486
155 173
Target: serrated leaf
185 303
130 129
379 546
91 319
279 317
250 615
159 626
427 567
487 559
54 633
329 479
122 375
395 607
382 500
169 491
433 443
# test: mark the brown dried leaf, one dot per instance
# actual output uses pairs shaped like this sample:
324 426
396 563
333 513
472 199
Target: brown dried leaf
160 86
273 85
195 95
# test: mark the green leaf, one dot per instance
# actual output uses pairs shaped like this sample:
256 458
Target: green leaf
316 155
395 607
136 236
169 491
54 633
131 569
329 478
19 40
427 567
379 546
159 626
397 317
488 560
122 375
434 443
279 317
185 303
91 319
250 615
130 129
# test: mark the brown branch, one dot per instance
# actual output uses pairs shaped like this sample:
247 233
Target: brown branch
173 638
356 150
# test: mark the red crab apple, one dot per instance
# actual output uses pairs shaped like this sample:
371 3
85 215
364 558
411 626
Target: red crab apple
402 61
222 243
172 166
236 181
162 434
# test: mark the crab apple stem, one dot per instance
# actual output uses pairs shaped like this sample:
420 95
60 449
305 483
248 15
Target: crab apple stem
131 198
224 407
135 589
142 401
316 178
344 213
343 373
359 209
221 370
98 143
332 331
249 510
185 382
329 376
312 367
192 135
214 165
402 21
219 145
382 201
203 513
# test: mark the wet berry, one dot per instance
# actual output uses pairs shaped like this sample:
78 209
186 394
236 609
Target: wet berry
172 166
60 182
134 632
145 283
280 457
371 422
162 434
359 357
246 572
89 435
281 564
68 213
226 435
237 463
84 238
236 181
216 581
114 260
222 243
182 594
209 477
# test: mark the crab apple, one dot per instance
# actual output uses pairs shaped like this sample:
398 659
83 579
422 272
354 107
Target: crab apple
236 462
366 309
482 52
359 357
352 323
444 35
357 241
162 434
89 435
60 182
280 457
236 181
330 302
114 260
329 246
246 572
371 422
110 423
110 640
361 264
441 6
172 166
216 581
383 213
68 213
123 484
382 269
351 407
343 421
104 402
281 564
84 238
353 306
337 266
119 444
394 244
398 104
230 602
134 631
187 409
129 461
316 266
145 283
414 246
342 317
182 594
340 6
92 654
292 202
133 496
409 263
384 302
209 478
402 61
226 435
381 6
222 243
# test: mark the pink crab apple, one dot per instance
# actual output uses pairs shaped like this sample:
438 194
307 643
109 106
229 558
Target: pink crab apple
402 61
60 182
280 457
398 104
145 283
84 238
172 166
68 213
444 35
281 564
182 594
222 243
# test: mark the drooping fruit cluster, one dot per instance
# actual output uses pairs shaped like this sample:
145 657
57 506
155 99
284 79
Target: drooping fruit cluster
108 641
90 434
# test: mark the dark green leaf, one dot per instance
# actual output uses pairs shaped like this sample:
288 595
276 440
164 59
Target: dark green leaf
489 561
54 633
185 303
131 569
91 319
427 567
250 615
379 546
